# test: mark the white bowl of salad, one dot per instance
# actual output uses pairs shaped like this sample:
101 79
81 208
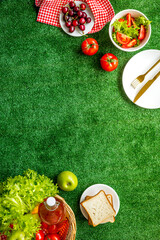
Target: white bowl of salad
130 30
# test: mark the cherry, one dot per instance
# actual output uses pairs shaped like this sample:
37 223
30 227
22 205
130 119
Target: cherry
84 15
75 23
68 24
65 18
80 13
70 13
82 20
71 29
72 4
88 19
82 6
82 27
76 9
65 10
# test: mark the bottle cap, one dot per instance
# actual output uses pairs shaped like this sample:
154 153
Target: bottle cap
51 201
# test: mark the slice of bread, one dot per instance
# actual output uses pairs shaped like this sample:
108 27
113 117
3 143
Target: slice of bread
98 208
109 219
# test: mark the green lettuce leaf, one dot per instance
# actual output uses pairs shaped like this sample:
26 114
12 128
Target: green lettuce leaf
18 197
142 21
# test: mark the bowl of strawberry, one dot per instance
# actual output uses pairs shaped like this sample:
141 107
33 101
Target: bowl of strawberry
130 30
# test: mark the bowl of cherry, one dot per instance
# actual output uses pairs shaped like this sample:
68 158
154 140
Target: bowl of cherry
76 18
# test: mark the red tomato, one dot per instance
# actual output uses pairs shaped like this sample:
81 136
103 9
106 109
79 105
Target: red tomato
121 20
128 18
142 33
133 22
39 235
122 38
130 44
109 62
90 46
53 228
44 225
53 236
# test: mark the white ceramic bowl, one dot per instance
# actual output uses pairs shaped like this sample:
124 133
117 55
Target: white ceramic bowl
134 13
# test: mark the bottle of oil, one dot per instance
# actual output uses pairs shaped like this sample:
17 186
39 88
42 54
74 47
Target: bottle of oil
52 211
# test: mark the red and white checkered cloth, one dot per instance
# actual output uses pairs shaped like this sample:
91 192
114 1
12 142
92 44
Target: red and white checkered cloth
50 10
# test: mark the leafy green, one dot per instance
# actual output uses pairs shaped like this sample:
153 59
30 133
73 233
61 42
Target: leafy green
142 21
18 197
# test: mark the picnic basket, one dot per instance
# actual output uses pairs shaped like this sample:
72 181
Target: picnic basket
72 220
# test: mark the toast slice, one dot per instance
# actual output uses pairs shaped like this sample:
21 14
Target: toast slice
98 208
109 219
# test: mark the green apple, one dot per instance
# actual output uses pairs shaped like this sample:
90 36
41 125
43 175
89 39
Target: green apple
67 181
17 235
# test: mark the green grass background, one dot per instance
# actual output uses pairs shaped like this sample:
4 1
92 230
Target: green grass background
61 111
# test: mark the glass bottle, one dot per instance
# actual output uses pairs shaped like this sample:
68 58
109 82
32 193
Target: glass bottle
52 211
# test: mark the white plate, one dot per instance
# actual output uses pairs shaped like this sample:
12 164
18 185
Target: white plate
93 190
136 66
78 32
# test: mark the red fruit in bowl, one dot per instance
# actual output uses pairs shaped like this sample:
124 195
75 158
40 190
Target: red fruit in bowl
68 24
65 10
82 6
82 27
71 29
75 23
82 20
71 13
88 20
76 9
72 4
65 17
80 13
84 15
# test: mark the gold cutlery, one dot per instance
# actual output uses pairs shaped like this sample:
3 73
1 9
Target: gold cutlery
140 78
145 87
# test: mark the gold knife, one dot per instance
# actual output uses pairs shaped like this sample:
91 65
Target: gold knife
145 87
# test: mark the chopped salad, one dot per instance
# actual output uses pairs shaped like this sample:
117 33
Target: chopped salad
129 31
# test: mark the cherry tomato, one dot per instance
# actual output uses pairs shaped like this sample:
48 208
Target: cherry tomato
142 33
109 62
90 46
53 236
130 44
122 38
39 235
53 229
44 225
128 18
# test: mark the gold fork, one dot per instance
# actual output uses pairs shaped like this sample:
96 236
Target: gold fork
140 78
